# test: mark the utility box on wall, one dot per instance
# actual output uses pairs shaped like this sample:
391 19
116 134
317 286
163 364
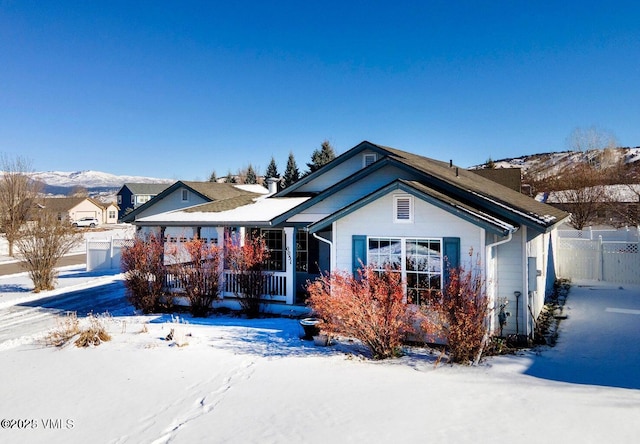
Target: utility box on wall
533 273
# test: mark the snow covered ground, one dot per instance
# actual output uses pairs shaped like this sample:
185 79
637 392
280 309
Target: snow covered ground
255 381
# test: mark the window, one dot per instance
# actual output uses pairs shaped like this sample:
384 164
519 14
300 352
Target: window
403 209
275 243
302 251
119 199
133 199
185 195
112 214
368 159
419 261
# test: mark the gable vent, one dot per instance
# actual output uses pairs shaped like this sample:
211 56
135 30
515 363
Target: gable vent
368 159
403 209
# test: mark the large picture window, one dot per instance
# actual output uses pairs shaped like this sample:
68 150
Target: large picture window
418 260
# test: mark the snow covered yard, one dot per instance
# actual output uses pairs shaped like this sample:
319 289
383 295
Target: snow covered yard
228 379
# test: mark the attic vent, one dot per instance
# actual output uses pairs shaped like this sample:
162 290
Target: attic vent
185 195
368 159
403 209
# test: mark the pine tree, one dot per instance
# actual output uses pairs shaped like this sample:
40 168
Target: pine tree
230 178
251 177
321 156
213 177
272 171
291 173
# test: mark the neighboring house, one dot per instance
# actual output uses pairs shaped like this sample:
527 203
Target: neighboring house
110 213
377 205
132 195
610 205
76 208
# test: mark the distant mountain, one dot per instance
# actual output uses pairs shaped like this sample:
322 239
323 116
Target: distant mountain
91 179
98 184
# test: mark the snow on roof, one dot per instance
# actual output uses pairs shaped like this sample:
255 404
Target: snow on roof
262 211
253 188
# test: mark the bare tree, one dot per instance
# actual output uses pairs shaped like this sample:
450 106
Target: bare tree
18 193
592 138
41 243
581 192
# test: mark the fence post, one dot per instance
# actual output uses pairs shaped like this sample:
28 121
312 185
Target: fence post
600 259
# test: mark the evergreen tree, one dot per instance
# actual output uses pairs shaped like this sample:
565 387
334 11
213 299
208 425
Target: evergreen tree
321 156
251 177
213 177
230 178
291 173
272 171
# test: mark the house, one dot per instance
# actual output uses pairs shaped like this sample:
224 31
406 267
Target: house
132 195
76 208
378 205
606 205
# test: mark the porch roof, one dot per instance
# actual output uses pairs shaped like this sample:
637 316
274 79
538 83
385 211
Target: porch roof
257 212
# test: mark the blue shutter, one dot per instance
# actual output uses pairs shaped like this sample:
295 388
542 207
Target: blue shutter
451 253
359 249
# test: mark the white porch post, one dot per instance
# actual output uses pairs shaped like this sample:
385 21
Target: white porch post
289 237
220 237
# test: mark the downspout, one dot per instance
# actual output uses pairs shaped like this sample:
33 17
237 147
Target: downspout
328 242
485 339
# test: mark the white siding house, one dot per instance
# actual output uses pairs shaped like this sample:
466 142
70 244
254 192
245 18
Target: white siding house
375 205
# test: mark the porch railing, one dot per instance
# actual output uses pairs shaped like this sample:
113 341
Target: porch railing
274 284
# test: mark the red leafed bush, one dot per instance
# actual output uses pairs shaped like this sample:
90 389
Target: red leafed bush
370 307
247 262
198 272
460 314
143 265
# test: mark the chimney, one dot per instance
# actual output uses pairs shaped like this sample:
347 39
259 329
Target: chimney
272 185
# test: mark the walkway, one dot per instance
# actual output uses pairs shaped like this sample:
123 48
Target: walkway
599 343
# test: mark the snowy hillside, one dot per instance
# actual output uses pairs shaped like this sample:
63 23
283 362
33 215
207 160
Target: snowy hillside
91 179
551 164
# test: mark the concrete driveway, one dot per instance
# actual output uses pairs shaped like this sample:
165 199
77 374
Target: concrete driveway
599 342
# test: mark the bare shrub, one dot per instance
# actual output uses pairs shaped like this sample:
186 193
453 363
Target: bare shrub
198 274
145 271
94 334
247 261
66 328
460 314
369 307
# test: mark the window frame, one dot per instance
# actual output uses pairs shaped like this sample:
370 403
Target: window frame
400 262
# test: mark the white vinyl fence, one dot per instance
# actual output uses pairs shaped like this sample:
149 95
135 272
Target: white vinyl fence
104 254
603 255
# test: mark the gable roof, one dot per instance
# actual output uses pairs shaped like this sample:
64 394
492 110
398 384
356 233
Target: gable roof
60 204
233 211
461 209
146 188
208 191
465 187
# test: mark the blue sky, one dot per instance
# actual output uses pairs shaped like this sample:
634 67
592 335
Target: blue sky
179 89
